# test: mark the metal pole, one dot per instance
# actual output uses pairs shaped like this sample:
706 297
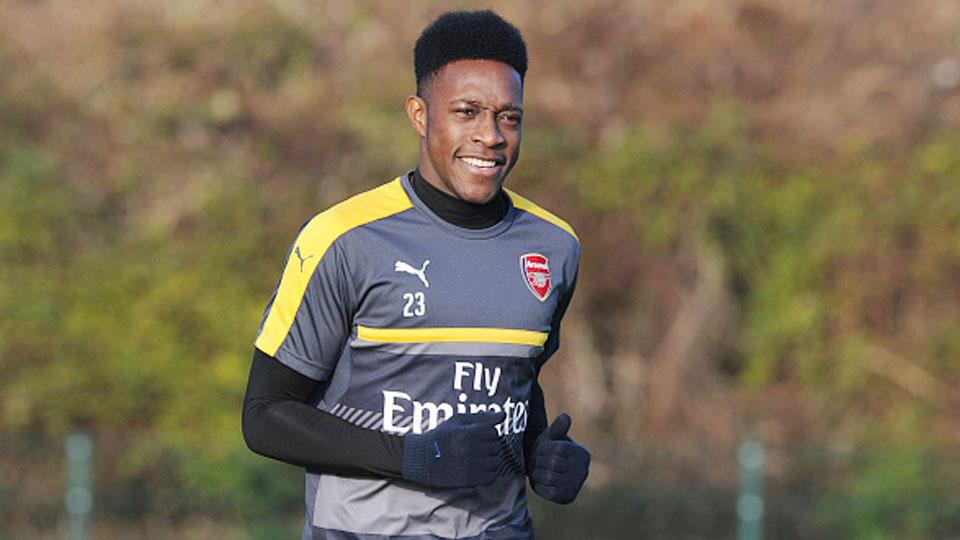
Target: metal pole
79 498
750 501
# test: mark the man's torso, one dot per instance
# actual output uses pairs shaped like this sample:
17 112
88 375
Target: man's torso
439 320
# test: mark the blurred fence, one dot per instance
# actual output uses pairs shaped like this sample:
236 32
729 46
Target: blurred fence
669 502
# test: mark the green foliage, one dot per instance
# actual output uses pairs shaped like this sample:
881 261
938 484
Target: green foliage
644 511
898 491
141 334
36 226
823 258
836 267
668 181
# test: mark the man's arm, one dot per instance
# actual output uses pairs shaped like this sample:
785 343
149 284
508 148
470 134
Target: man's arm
537 414
279 422
536 422
556 465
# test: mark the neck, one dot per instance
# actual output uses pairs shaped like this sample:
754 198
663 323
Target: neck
457 211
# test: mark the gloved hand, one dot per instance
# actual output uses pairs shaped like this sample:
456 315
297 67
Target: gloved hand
557 466
463 451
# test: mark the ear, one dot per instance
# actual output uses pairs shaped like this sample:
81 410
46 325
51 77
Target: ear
417 112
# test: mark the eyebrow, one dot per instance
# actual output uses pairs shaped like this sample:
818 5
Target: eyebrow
475 103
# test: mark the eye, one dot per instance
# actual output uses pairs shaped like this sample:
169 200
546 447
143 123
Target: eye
465 112
511 119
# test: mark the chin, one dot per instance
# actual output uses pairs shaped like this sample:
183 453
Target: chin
479 191
480 195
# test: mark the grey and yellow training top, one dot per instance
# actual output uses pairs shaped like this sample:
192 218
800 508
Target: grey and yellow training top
410 320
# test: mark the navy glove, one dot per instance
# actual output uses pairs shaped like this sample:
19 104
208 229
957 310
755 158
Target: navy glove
463 451
557 465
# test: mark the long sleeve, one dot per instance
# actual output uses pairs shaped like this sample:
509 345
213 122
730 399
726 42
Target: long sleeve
537 415
279 422
536 421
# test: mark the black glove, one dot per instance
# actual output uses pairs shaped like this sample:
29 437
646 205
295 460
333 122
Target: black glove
557 465
463 451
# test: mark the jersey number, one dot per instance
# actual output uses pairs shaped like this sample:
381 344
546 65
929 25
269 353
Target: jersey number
414 305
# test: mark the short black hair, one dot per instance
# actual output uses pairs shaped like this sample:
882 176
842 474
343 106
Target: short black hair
467 35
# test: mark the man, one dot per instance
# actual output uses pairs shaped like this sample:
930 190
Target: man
398 358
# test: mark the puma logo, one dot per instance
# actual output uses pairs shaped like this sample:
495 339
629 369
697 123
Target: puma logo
401 266
296 251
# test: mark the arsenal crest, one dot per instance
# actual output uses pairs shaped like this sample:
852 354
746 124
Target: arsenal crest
536 274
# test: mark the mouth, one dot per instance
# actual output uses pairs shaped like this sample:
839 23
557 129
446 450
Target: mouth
482 166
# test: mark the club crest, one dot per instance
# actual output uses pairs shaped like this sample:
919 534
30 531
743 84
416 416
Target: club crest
536 274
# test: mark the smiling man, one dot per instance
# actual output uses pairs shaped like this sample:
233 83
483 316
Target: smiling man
470 131
398 358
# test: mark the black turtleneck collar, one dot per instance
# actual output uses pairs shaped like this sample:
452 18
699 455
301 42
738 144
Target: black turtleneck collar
457 211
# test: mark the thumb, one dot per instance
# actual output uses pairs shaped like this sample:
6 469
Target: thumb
559 428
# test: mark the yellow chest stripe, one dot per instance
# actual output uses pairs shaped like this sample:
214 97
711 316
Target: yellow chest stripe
462 335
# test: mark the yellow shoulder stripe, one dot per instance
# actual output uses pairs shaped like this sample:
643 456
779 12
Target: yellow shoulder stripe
312 244
461 335
529 206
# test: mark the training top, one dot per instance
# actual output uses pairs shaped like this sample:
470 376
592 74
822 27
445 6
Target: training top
408 320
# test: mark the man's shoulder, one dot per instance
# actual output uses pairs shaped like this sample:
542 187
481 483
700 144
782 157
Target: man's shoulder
375 204
526 205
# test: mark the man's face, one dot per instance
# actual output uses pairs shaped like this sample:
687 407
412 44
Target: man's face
469 121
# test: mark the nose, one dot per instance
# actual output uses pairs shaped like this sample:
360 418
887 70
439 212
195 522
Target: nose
487 131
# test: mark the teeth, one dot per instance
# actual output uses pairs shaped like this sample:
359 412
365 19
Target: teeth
479 162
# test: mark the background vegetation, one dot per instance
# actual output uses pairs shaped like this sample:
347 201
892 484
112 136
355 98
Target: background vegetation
767 193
